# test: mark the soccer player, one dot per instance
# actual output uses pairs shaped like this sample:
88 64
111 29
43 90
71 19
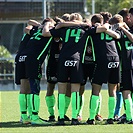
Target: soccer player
32 57
88 68
107 65
70 58
126 65
24 96
51 72
131 18
126 18
106 17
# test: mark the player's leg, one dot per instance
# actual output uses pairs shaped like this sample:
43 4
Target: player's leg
51 73
128 104
94 99
98 117
126 92
35 102
67 100
50 100
81 101
61 102
113 80
111 102
75 102
97 80
119 102
24 90
24 101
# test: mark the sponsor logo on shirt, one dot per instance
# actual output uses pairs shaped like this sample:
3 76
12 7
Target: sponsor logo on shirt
22 58
70 63
113 64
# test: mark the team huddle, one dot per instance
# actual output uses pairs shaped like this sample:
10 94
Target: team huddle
77 50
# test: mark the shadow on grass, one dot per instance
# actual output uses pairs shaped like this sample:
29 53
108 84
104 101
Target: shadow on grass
16 124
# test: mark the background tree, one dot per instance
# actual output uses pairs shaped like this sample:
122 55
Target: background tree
112 6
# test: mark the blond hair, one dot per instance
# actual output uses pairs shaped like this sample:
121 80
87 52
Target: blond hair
76 16
117 18
66 17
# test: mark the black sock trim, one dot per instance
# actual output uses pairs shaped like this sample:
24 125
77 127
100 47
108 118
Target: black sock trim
23 112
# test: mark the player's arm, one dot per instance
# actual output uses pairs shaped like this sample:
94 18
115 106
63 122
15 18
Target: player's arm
102 28
46 32
33 22
69 24
128 34
27 29
113 34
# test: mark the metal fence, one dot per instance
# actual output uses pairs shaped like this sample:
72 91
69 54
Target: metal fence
7 74
14 15
25 9
6 69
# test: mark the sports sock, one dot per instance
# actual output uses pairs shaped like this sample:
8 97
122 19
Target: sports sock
99 105
50 101
75 104
29 108
23 105
61 105
111 107
81 104
35 103
128 107
119 102
132 99
67 102
93 106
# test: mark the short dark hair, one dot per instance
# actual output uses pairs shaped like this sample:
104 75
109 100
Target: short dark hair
131 10
124 12
106 16
97 18
47 20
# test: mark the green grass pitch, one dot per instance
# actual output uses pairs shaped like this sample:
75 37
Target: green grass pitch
10 115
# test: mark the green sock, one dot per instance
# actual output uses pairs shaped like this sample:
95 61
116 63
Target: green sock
128 107
81 104
93 106
67 102
132 102
61 105
29 108
35 103
23 105
50 101
111 107
99 105
132 98
75 104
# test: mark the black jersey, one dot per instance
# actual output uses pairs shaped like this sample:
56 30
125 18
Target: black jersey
53 54
126 48
88 53
74 41
104 47
38 45
25 39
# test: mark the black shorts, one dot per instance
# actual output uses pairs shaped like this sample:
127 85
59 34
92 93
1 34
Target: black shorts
70 69
126 83
33 67
20 71
104 73
27 67
88 70
51 73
